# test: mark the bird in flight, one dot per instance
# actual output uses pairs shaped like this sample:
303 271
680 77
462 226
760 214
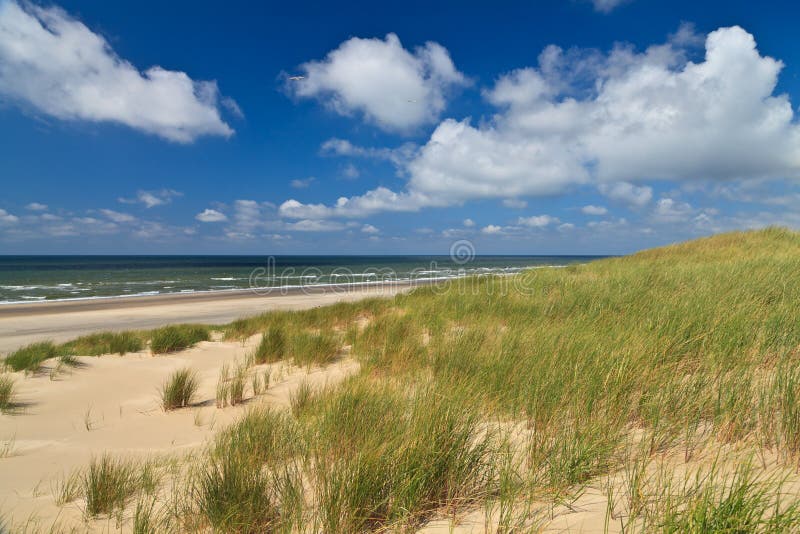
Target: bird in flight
413 101
297 78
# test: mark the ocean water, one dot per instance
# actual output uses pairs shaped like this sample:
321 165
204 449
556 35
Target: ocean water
45 278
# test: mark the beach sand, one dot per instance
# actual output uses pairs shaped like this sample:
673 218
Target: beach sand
60 321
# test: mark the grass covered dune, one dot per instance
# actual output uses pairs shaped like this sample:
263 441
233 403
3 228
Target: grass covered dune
658 392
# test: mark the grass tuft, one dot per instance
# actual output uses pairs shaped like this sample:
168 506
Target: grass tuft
7 394
177 337
104 343
108 484
314 348
31 357
179 390
272 347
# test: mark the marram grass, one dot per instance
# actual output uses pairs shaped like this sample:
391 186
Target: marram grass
177 337
179 389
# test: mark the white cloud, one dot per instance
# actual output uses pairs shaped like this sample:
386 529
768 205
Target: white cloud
56 64
594 210
585 118
151 199
208 215
623 192
369 229
117 216
515 203
36 206
537 221
374 201
492 229
461 162
302 183
469 223
6 217
670 211
379 79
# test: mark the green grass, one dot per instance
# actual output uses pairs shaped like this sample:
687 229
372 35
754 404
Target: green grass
7 394
104 343
179 390
31 357
231 385
110 483
177 337
314 348
386 457
272 347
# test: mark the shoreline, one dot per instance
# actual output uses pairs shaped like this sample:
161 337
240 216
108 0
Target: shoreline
38 307
60 321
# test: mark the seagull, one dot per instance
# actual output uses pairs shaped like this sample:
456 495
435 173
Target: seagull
413 101
297 78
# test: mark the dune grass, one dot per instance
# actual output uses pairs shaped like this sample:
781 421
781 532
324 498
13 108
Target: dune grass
109 483
104 343
272 347
177 337
231 385
179 390
31 357
7 394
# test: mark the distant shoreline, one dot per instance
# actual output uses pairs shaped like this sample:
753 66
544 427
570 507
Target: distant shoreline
40 307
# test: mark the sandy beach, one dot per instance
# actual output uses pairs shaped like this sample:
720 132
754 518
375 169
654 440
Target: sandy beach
60 321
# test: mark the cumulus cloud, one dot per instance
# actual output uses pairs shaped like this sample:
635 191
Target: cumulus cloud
594 210
209 216
469 223
584 118
396 89
36 206
55 64
151 199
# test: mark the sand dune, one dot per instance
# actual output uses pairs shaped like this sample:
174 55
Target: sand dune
110 404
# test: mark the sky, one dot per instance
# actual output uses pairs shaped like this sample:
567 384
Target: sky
545 127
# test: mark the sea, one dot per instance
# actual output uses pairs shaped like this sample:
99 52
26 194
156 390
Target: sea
49 278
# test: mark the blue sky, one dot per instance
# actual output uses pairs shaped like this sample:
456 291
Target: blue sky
548 127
